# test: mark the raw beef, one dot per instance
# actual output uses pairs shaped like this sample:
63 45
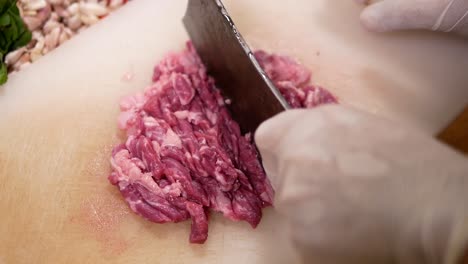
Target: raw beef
293 81
184 154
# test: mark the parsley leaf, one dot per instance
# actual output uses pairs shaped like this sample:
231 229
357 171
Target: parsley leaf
13 33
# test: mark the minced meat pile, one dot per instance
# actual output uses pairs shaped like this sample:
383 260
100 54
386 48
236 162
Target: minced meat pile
185 155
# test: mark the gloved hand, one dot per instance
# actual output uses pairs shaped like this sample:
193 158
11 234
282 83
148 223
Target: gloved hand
436 15
358 189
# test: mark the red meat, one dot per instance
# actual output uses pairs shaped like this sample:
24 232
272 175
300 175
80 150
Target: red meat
185 154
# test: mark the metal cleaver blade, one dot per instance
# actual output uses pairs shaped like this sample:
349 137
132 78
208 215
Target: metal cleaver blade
254 98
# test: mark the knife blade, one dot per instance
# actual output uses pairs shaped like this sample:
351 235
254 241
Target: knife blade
228 58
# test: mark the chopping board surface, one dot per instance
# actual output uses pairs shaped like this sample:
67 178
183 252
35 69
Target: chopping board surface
58 124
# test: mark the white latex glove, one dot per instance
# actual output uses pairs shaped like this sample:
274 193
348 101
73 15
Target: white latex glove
358 189
436 15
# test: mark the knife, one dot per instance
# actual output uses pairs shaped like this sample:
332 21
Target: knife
254 98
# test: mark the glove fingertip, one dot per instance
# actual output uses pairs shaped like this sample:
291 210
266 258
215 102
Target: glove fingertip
372 19
270 132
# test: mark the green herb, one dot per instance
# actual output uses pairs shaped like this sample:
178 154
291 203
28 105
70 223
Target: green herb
13 33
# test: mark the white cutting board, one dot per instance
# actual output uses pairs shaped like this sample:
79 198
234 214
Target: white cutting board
58 124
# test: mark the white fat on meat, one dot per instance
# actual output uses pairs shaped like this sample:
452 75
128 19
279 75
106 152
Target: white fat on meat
211 116
181 114
132 102
195 117
171 139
